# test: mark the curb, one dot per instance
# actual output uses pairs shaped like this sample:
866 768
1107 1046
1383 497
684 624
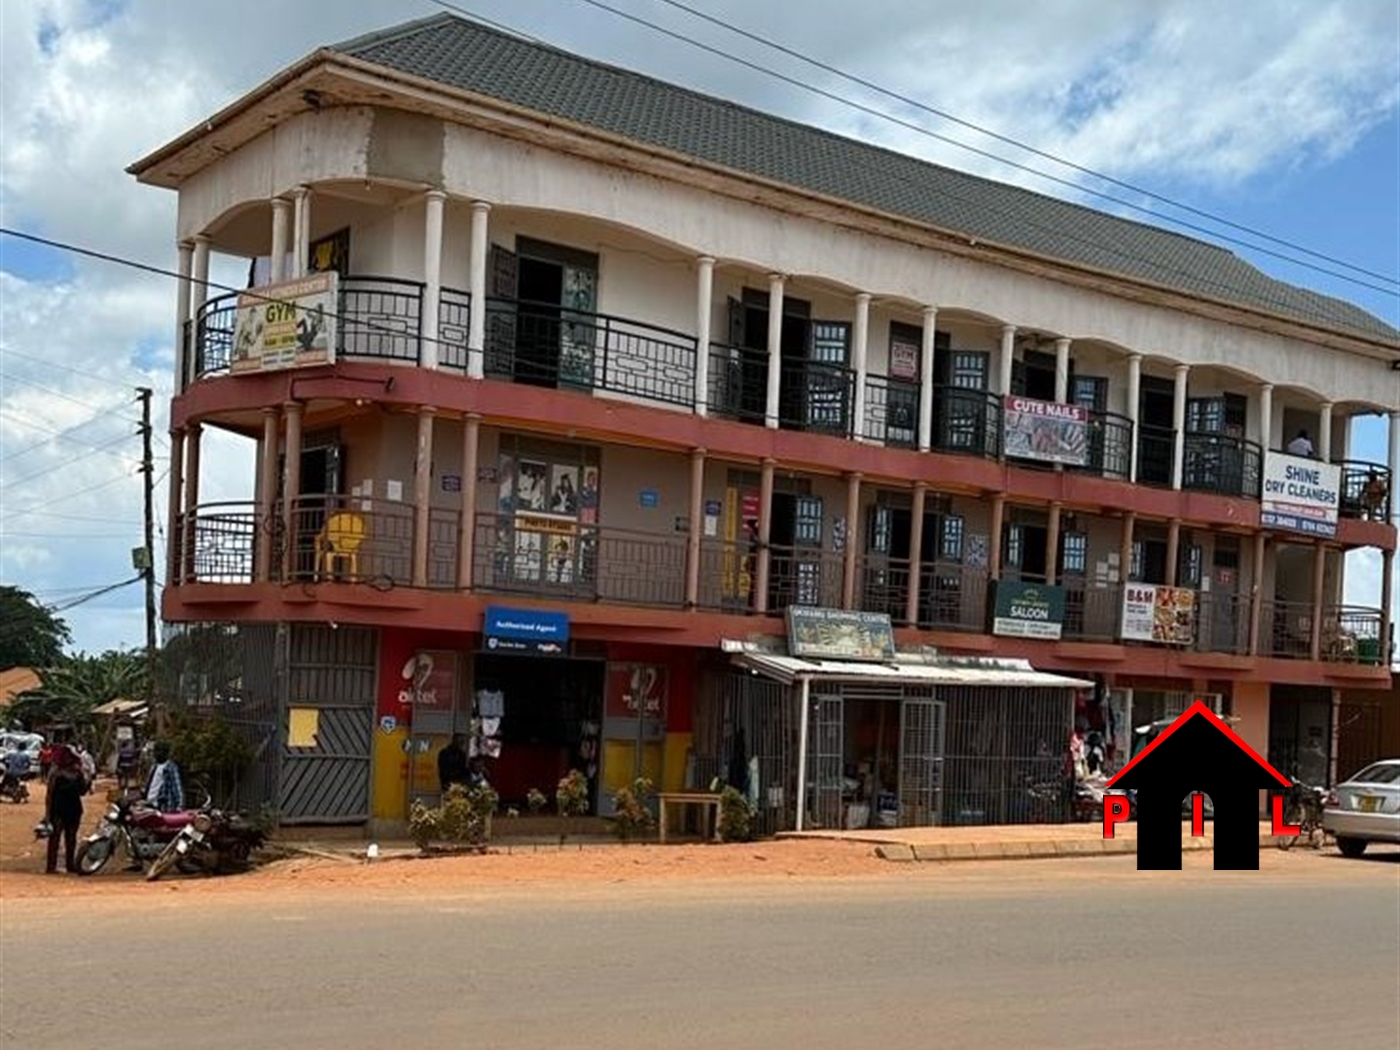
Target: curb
1032 850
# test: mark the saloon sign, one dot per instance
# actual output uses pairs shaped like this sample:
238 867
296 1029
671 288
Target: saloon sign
1025 610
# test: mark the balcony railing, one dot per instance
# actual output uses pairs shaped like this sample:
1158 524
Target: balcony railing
579 563
1091 613
1110 445
967 421
816 398
728 572
1222 623
1366 491
539 344
952 597
1352 634
380 319
891 412
801 576
349 539
883 585
1156 453
216 544
1224 465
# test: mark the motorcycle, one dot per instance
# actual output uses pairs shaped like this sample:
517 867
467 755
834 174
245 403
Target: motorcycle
214 842
134 825
14 789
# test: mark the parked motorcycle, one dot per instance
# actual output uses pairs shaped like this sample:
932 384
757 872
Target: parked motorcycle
214 842
133 825
14 789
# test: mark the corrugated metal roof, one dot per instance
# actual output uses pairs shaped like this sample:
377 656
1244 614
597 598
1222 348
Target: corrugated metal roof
968 672
472 57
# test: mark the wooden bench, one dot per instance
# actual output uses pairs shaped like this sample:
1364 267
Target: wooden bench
709 810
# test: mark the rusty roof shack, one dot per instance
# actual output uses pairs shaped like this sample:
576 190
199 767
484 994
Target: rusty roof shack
1198 752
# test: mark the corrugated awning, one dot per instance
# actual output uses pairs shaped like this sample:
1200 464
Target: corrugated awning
129 708
969 672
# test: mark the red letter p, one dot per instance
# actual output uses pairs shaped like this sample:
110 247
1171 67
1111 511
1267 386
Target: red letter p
1115 811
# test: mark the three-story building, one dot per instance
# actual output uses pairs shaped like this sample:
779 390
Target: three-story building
560 377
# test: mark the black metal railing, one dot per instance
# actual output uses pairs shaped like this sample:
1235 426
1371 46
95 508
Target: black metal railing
1222 623
378 318
1156 454
1353 634
816 398
1110 445
883 585
1285 630
444 546
728 575
802 576
349 539
952 597
588 563
891 412
967 421
216 544
1224 465
738 383
542 344
1091 613
1366 490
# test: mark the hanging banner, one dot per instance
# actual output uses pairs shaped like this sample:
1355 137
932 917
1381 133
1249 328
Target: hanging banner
1028 610
1046 431
1165 615
1300 494
287 325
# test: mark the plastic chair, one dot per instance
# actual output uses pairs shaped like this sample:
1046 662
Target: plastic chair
339 541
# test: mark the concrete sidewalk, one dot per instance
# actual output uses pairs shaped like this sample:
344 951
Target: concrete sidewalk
1012 841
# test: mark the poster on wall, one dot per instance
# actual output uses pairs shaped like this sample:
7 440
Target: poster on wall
1300 495
1045 431
904 360
287 325
1164 615
506 501
588 497
563 490
530 482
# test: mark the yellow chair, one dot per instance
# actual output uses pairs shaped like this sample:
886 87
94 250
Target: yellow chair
339 541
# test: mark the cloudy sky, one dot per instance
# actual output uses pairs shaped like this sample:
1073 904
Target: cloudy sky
1283 118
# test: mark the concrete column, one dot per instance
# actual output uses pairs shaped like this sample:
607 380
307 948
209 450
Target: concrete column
476 281
1125 547
704 311
1324 432
433 205
466 532
1179 424
193 434
696 525
916 552
174 528
1134 397
926 379
1266 415
1007 359
851 555
199 293
998 526
1062 371
281 234
1318 595
765 531
422 494
184 329
268 449
291 485
1173 550
1052 544
860 340
1256 591
1387 596
775 350
301 231
1393 460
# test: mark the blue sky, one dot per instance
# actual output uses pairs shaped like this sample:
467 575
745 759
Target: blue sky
1286 119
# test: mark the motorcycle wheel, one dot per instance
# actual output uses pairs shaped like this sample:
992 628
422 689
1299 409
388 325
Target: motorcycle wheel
163 863
93 855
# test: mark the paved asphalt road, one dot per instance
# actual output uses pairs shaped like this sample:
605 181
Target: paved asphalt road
1091 954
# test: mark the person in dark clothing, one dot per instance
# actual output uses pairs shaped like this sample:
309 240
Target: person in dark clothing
63 807
452 764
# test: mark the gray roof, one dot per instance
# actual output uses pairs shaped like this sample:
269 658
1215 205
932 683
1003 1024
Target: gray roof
466 55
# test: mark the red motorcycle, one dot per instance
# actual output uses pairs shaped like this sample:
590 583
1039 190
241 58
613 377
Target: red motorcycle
133 825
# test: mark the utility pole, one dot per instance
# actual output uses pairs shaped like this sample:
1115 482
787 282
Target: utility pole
148 568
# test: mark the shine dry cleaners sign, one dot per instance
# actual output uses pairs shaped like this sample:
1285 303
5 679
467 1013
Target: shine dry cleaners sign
1028 610
1300 494
525 630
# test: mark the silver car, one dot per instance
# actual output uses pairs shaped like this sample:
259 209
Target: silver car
1365 808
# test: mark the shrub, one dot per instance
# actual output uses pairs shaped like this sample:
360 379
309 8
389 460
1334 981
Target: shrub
571 799
631 814
735 816
464 817
535 799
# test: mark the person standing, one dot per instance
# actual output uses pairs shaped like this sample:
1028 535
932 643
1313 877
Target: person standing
452 764
63 807
1301 445
164 790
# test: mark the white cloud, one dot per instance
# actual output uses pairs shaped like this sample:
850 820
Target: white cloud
1149 91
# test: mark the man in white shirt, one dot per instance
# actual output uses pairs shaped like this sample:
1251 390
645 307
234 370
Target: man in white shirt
1301 445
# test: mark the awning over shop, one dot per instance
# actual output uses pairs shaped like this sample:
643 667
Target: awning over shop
972 671
134 709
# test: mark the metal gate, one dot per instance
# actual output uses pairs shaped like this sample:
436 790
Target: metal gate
327 725
920 761
826 732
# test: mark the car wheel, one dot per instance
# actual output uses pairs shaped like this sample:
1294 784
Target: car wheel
1351 847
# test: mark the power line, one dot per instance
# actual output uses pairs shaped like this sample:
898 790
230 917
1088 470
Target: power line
77 517
75 602
1009 140
50 502
920 129
48 471
26 381
66 434
85 373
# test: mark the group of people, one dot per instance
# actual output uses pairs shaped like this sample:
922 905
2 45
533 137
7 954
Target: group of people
71 777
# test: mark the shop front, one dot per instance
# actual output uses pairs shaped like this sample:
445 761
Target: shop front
836 729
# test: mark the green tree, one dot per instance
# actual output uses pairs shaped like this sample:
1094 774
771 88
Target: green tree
30 635
75 685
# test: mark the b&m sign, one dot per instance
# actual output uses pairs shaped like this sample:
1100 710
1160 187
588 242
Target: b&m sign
1300 494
